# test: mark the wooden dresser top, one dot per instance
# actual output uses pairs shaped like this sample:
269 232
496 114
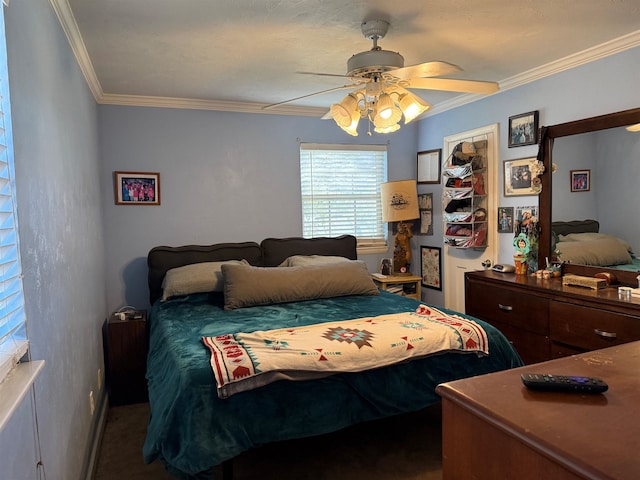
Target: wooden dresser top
597 436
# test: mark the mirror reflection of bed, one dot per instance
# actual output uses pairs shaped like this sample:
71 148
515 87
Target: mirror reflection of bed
581 242
603 146
612 158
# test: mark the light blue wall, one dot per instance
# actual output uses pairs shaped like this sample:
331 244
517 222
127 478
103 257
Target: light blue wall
225 177
58 187
604 86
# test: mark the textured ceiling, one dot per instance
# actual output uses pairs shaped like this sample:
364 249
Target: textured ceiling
248 51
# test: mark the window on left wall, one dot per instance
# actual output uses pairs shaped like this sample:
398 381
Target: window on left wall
14 343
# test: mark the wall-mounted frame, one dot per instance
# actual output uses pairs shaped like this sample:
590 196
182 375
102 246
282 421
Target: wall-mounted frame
425 206
431 267
523 129
137 188
518 178
580 180
429 162
505 219
525 220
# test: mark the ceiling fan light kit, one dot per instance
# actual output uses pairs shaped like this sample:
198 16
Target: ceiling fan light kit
382 81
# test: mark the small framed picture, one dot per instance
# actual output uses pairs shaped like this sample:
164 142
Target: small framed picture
523 129
137 188
386 266
580 180
429 166
525 220
518 179
425 206
431 261
505 219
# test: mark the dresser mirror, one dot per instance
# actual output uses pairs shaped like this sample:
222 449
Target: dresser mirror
596 151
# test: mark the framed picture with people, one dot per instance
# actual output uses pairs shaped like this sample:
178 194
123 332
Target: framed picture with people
580 180
137 188
523 129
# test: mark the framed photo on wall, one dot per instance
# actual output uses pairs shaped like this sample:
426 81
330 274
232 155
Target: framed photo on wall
429 166
431 263
580 180
137 188
425 206
518 178
523 129
505 219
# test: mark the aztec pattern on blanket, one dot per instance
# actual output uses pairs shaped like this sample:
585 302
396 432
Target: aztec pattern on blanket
243 361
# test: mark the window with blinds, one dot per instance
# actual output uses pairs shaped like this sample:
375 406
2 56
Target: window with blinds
13 331
340 186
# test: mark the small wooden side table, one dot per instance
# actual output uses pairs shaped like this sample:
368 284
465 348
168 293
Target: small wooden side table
406 285
127 358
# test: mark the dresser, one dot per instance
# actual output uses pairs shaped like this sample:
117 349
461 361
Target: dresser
544 319
493 427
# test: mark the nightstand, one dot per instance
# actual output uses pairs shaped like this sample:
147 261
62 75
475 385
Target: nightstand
406 285
126 357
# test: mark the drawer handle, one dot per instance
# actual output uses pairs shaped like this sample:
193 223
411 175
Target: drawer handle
603 334
506 308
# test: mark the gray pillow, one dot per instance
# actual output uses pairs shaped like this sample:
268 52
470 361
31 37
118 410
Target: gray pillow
301 260
195 278
246 286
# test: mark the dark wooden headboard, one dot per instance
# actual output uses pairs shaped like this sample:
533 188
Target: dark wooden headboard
276 250
161 259
575 226
270 252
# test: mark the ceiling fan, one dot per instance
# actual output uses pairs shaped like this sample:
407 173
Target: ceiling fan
381 83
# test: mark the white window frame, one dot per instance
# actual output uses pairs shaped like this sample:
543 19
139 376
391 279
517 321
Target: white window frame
326 162
14 343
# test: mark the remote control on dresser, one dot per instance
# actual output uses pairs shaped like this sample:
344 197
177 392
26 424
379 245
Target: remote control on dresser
564 383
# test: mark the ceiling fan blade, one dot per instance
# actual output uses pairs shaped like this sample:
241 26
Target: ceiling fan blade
334 89
453 85
428 69
323 74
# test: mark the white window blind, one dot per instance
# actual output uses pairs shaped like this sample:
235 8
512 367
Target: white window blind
340 186
13 330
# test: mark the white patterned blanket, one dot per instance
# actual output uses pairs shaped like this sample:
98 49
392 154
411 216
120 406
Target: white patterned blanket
244 361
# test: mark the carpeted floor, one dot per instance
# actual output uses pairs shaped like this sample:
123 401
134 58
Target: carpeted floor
405 447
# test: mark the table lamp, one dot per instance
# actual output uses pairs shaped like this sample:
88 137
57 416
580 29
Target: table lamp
400 203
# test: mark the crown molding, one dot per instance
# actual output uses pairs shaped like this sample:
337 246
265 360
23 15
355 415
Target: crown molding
592 54
70 27
199 104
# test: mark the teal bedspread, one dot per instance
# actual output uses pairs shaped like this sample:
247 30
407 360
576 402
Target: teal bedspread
191 430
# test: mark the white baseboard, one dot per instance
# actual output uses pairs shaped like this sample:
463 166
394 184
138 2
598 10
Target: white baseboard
91 461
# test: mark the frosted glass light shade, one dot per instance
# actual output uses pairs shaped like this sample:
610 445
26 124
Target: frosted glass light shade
386 114
344 111
412 106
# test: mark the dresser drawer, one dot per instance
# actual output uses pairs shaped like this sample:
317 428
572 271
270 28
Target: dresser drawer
590 328
511 307
531 347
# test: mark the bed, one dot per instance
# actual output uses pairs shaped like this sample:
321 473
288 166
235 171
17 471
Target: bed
581 242
192 429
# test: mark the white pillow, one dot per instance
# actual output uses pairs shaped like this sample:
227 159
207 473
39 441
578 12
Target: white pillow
195 278
303 260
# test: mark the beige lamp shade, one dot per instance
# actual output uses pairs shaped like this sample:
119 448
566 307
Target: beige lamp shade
399 201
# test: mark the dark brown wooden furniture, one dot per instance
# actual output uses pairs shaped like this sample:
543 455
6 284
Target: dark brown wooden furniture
494 427
126 357
545 319
545 208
